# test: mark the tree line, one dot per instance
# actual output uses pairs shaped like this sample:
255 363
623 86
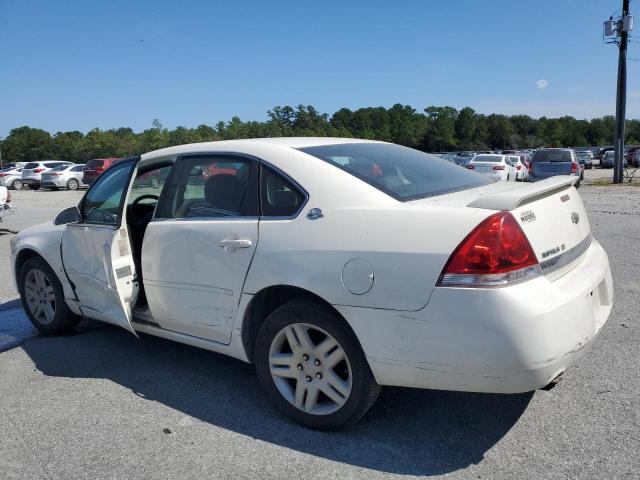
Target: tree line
435 129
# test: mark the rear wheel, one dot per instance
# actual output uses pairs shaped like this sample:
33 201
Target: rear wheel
312 367
16 184
43 298
73 184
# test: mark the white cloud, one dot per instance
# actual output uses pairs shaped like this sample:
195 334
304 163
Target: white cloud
542 84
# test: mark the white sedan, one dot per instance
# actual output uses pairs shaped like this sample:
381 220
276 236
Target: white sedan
335 265
495 166
522 171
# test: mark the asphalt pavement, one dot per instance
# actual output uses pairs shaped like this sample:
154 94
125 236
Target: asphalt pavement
102 404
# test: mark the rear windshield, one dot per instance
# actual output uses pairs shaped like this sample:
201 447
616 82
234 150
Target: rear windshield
60 168
401 172
487 158
552 156
31 165
94 163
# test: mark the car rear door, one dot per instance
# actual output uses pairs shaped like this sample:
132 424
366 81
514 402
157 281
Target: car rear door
198 248
96 251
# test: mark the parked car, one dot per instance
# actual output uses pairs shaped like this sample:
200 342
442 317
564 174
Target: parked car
5 202
463 158
13 165
520 164
317 261
94 168
602 151
585 158
549 162
633 156
608 160
495 166
11 177
31 174
64 176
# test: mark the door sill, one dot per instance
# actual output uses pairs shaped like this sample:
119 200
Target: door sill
150 327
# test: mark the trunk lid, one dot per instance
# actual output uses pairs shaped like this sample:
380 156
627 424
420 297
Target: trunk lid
550 212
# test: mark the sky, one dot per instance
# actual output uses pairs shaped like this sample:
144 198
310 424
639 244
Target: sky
68 65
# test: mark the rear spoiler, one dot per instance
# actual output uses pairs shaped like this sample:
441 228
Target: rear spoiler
523 193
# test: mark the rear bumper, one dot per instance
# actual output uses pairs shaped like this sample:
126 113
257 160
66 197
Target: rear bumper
31 182
53 183
501 340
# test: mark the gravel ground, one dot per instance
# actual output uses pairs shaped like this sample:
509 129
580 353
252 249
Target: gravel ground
102 404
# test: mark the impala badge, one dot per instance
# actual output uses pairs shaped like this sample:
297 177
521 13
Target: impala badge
575 217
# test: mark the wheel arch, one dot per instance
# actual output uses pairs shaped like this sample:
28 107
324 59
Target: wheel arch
266 301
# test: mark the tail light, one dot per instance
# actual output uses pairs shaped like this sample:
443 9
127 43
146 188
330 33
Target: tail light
38 170
574 167
100 169
499 167
54 174
4 174
494 254
470 167
530 167
518 167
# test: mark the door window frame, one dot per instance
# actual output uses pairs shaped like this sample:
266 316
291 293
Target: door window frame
123 197
260 163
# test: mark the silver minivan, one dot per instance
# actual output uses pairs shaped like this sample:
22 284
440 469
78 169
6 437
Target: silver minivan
32 172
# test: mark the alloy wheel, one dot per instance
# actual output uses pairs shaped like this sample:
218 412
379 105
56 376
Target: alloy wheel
73 184
17 184
40 296
310 369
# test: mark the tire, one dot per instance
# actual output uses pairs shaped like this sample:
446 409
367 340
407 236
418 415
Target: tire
73 184
352 374
36 275
16 184
507 177
34 187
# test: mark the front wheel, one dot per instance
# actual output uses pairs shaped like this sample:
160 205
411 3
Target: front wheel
312 367
43 298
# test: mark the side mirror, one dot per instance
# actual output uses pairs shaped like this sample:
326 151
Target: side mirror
68 215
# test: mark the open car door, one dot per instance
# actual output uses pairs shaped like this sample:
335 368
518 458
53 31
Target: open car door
96 251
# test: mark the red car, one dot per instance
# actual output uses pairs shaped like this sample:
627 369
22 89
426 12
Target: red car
95 167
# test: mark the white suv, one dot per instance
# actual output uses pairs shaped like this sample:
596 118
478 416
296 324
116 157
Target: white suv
32 172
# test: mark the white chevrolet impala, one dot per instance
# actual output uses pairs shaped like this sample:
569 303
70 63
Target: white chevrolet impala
336 266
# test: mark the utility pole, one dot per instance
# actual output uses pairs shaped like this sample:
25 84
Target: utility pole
619 29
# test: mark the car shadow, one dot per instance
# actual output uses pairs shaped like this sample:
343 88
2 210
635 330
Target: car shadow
410 432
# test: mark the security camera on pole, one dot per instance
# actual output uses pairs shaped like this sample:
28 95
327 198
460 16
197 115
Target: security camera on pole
617 31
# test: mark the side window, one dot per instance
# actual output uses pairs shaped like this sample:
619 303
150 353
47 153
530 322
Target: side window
278 197
77 168
211 187
149 183
101 205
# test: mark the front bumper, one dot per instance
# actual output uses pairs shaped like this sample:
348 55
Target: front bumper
501 340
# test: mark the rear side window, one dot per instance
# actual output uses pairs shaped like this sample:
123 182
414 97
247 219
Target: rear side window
210 187
278 196
77 168
552 156
403 173
31 165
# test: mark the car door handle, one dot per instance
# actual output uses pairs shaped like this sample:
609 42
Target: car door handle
231 244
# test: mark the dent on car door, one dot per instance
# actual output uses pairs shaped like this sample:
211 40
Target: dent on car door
199 246
96 251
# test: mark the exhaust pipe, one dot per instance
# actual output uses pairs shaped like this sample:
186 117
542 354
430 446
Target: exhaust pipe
553 382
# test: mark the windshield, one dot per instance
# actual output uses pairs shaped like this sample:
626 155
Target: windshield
487 158
552 156
401 172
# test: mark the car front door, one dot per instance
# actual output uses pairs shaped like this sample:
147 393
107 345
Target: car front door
96 251
198 248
